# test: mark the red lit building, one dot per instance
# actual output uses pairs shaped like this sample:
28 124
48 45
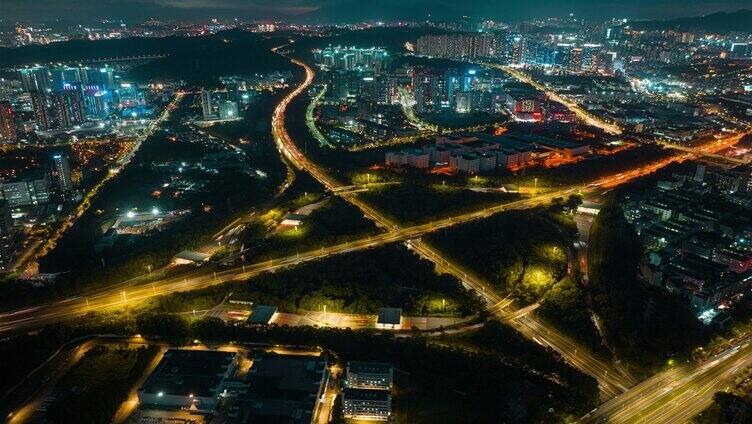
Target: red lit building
7 123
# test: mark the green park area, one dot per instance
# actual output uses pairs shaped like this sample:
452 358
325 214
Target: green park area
733 405
411 204
524 254
93 390
359 282
477 386
646 327
331 221
520 253
727 408
452 120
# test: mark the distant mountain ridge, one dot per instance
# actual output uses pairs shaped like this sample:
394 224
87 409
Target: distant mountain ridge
721 22
343 11
197 60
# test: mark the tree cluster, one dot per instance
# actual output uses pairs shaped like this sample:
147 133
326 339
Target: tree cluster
93 389
520 253
644 324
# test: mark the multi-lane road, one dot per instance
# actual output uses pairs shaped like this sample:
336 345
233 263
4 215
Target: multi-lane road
683 383
610 380
581 113
131 291
121 295
678 394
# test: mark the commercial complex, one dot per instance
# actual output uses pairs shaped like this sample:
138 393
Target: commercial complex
283 388
32 189
369 375
364 404
276 388
367 395
478 152
194 379
219 105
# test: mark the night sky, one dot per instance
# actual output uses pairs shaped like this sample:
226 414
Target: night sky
354 10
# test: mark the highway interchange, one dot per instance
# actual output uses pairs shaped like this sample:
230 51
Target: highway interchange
672 396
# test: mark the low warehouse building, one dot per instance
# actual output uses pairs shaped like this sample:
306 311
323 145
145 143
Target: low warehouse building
189 379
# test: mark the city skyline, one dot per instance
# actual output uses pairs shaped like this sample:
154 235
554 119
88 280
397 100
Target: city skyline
342 11
215 213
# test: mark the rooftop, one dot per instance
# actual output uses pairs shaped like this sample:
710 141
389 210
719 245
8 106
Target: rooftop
366 394
369 367
391 316
188 372
284 388
262 314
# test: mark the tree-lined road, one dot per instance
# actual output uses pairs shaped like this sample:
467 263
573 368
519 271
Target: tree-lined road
128 292
676 395
610 380
613 384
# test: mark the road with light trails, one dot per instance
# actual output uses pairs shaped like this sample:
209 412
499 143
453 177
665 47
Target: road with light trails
121 294
709 150
675 395
581 113
610 381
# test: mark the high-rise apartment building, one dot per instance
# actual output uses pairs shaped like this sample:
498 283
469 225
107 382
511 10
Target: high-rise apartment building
7 242
456 46
68 107
35 79
39 103
206 104
7 123
61 171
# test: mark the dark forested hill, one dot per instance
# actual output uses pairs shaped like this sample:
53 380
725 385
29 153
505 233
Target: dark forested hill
722 22
194 59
